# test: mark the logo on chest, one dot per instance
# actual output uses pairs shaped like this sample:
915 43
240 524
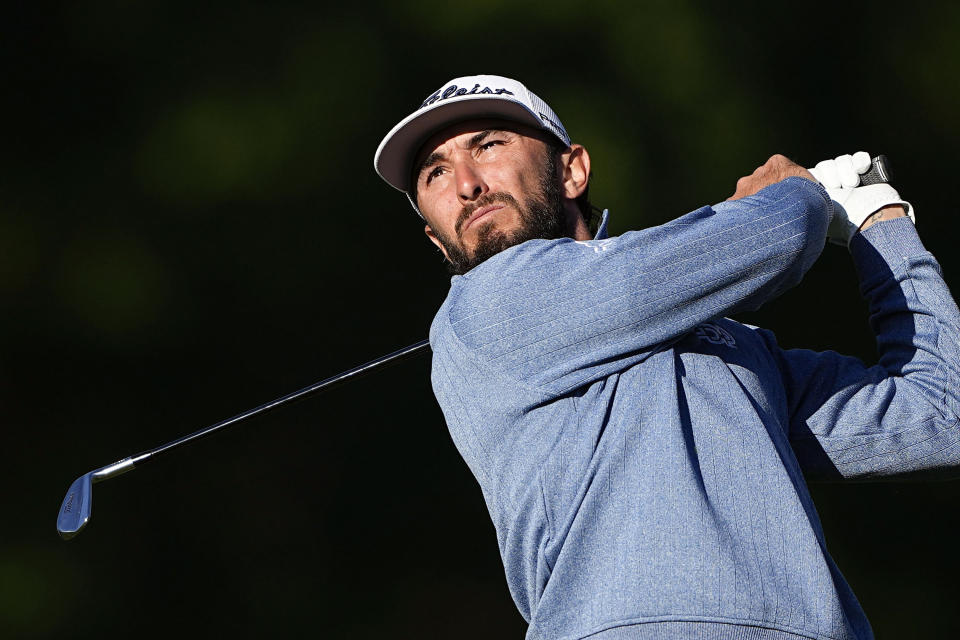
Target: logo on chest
715 334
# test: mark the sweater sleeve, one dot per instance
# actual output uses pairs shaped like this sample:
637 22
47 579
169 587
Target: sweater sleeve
848 420
557 314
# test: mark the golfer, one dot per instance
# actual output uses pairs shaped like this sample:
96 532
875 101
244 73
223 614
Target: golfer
643 457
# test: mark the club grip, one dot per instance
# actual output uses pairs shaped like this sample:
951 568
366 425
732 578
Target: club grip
879 172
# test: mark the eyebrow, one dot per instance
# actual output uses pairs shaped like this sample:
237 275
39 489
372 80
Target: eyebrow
436 157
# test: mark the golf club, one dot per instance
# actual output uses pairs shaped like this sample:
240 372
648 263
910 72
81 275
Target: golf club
75 510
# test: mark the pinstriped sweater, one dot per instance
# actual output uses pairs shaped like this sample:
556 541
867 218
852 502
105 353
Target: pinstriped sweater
643 458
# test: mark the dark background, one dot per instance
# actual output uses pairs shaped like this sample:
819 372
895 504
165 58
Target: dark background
190 225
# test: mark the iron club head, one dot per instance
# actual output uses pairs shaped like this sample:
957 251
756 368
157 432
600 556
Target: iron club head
75 510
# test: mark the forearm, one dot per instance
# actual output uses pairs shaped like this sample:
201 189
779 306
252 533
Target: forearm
900 415
912 312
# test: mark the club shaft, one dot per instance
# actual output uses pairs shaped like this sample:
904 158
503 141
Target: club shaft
306 392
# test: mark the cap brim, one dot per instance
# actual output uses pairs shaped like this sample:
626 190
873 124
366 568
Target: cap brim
395 155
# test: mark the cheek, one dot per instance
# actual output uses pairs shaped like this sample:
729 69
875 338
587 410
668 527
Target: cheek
441 214
522 177
508 176
525 186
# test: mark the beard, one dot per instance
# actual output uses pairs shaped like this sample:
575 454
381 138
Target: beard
543 217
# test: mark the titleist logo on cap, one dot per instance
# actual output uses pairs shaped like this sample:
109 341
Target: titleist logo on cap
556 125
453 91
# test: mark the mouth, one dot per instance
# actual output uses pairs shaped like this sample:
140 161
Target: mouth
480 213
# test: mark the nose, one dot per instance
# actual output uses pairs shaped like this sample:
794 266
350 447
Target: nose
470 183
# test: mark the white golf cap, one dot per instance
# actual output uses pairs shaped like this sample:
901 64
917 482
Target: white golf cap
465 98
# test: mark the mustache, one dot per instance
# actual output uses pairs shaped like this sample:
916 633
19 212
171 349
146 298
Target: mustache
484 201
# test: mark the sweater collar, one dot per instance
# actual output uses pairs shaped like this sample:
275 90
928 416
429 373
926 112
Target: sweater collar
602 233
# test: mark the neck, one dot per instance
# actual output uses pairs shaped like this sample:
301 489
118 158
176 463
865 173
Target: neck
577 225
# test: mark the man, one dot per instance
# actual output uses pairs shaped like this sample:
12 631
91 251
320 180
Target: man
641 455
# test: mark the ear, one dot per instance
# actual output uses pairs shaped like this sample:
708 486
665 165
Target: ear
575 164
435 240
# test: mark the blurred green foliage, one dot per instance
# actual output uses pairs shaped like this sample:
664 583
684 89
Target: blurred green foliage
190 225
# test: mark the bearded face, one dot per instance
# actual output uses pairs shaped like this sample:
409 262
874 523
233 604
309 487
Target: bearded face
541 215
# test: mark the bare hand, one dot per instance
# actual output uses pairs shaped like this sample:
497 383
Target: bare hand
774 170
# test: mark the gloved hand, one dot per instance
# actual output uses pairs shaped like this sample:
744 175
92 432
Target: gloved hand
851 203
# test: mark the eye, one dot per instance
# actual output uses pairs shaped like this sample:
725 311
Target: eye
487 145
433 173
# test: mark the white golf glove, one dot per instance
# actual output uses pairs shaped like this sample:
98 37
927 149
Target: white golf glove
853 204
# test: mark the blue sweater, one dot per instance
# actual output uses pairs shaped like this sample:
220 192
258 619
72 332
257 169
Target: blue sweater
643 458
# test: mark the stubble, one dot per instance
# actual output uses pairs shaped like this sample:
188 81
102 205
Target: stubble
543 217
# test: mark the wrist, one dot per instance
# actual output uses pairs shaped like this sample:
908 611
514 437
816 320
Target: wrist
886 213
